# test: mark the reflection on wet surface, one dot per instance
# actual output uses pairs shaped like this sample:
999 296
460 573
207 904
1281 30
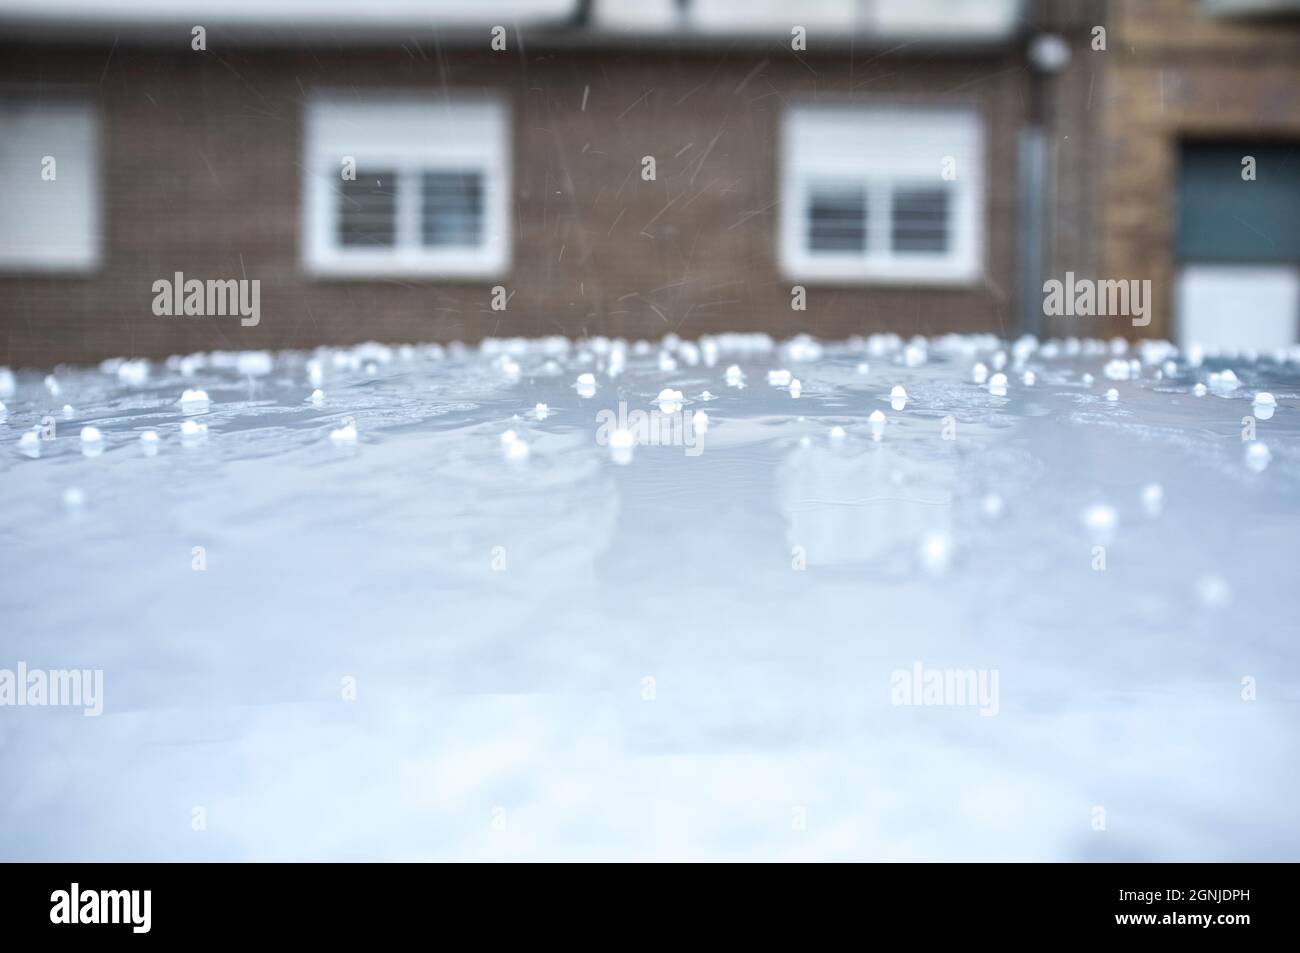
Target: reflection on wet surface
568 644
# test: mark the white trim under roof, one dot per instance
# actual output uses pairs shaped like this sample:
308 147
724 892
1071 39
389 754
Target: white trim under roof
830 24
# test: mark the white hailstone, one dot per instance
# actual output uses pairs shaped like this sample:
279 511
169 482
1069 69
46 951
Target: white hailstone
936 553
6 382
1265 405
1029 378
735 377
878 344
700 421
52 385
149 442
1153 499
621 445
779 378
979 374
1117 370
795 388
1258 456
586 385
876 420
998 385
1214 592
1199 390
92 441
315 372
194 398
992 505
509 437
803 348
689 353
837 433
707 396
133 373
541 411
998 360
317 397
914 355
516 450
667 362
343 436
898 392
69 412
509 367
29 444
864 368
254 363
1224 382
192 430
1169 368
617 362
1112 394
669 400
1100 520
1087 380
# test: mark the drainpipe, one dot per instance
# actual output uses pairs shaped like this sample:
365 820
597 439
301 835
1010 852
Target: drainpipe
1048 55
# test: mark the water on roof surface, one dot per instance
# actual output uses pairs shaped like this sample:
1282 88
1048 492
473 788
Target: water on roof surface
474 603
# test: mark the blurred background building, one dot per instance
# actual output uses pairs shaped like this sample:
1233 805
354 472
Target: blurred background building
639 167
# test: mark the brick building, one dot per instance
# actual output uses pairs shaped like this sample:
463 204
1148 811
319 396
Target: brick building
1192 90
616 168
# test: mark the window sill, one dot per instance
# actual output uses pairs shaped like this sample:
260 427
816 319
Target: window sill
417 271
845 277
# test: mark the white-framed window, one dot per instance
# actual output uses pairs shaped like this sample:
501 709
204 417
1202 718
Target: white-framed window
406 183
881 194
49 184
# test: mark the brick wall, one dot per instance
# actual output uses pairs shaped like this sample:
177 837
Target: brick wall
1173 73
201 171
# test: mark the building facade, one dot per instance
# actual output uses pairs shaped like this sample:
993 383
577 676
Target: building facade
608 168
1201 165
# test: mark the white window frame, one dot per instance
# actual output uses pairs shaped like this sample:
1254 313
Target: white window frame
411 133
884 149
26 148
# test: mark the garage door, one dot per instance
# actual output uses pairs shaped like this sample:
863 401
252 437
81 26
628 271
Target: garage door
1238 245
